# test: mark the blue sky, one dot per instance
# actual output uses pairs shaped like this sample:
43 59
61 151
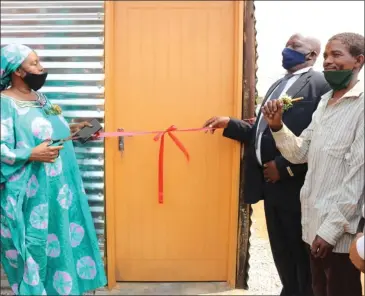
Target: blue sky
278 20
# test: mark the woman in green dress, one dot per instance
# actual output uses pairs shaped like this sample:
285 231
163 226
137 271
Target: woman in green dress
48 240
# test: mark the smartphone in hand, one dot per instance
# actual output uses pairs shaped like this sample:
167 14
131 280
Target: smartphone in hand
87 132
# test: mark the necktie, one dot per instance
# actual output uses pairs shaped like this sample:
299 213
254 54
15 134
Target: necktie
275 95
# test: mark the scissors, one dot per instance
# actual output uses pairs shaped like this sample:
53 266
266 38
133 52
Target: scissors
60 142
83 135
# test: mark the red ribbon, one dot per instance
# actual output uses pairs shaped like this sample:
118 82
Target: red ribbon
160 136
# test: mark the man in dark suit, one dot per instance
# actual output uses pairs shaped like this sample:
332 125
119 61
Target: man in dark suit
271 177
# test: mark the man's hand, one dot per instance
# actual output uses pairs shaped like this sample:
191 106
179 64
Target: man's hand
216 122
320 248
273 112
354 255
271 172
76 127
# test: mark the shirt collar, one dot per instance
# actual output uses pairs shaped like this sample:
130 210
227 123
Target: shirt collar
354 92
301 71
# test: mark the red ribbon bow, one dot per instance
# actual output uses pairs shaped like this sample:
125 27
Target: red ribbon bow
161 137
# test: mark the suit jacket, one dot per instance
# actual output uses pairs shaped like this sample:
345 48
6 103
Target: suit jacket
311 86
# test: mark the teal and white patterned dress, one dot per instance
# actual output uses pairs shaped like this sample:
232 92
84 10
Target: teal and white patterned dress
48 240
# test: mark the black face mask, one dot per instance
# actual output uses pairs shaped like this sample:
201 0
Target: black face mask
35 81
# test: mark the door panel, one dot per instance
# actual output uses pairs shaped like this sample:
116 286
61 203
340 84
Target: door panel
173 63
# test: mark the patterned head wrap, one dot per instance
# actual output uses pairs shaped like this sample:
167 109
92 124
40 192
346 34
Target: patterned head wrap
12 56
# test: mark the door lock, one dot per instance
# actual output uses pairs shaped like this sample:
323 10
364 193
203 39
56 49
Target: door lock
121 141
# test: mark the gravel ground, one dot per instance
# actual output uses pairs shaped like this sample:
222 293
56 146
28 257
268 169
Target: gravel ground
263 277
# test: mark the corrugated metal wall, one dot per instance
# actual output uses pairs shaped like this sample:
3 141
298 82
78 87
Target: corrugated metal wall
69 38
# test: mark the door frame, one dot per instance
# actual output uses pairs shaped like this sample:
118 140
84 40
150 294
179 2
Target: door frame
111 143
248 111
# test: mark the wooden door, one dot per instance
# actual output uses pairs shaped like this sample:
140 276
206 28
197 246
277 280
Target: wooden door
172 62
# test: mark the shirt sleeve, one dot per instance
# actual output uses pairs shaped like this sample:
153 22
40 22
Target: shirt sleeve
12 158
293 148
346 208
238 130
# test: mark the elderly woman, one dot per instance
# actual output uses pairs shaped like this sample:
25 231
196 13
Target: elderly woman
48 240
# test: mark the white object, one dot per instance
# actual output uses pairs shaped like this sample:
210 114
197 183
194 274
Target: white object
360 247
360 242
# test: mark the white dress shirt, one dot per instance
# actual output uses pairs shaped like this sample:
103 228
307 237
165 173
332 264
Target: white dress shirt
290 82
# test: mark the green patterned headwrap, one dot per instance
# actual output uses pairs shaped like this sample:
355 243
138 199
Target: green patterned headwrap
12 56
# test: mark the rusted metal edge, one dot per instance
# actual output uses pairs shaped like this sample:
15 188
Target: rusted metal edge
249 94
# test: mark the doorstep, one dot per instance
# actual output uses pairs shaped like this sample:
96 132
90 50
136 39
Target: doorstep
147 288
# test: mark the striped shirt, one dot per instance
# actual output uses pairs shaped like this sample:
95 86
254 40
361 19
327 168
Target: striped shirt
333 145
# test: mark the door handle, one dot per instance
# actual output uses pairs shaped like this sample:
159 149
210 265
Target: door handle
121 141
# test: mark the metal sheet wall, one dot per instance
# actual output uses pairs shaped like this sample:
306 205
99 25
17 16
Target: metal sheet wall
69 38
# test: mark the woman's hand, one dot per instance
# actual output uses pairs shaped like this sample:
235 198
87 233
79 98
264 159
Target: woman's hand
45 153
273 112
76 127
